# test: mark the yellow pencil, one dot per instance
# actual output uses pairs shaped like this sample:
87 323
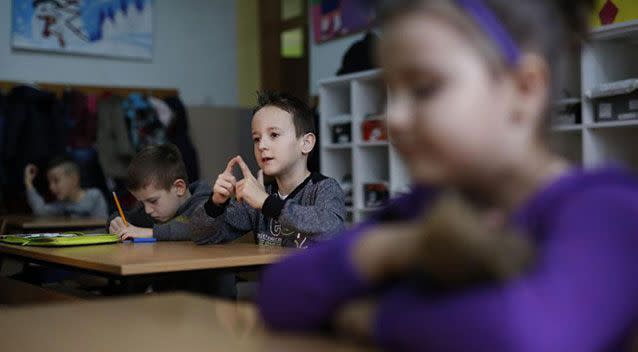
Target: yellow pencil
119 208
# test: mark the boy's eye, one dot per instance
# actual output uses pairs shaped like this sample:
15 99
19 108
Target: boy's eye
274 135
255 140
424 91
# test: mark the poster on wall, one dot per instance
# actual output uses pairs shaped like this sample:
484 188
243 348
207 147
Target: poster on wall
332 19
114 28
614 11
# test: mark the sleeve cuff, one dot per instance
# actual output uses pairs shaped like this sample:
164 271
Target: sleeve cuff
159 233
213 210
273 206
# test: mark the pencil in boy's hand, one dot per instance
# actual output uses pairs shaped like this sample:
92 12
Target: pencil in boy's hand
119 209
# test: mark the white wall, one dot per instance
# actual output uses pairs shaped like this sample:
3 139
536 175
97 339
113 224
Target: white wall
194 51
217 133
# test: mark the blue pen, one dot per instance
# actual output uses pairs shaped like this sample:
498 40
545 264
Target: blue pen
142 240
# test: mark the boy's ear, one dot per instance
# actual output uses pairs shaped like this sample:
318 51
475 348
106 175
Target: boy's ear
308 143
180 186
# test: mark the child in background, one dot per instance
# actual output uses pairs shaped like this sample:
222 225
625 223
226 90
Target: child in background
64 182
157 179
471 83
298 209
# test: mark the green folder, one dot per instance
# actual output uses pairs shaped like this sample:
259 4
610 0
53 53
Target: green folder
59 239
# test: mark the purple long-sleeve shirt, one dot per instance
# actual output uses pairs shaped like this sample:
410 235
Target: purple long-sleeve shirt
581 295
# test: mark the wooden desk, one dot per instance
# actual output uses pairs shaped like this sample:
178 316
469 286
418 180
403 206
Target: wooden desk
176 322
131 259
30 223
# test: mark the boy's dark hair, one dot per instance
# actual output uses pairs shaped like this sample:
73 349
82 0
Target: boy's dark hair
68 165
302 116
159 165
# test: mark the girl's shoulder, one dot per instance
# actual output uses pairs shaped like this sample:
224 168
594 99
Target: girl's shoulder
583 197
601 182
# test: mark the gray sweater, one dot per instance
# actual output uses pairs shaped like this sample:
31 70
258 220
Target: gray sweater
314 211
92 205
176 229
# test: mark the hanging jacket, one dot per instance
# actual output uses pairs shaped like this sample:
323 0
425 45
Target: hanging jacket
114 147
144 126
178 134
2 128
81 119
34 133
34 125
162 110
3 169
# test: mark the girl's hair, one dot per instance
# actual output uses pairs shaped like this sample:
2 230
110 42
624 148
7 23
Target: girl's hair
550 28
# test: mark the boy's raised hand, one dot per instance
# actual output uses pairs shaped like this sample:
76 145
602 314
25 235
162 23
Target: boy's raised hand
224 187
30 171
251 190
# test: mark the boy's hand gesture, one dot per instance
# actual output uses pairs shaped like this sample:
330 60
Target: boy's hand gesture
251 190
30 171
224 187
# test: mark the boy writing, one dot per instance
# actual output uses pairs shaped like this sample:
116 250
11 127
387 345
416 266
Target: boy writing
157 179
64 182
299 208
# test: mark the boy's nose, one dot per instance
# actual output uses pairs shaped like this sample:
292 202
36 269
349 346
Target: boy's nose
398 117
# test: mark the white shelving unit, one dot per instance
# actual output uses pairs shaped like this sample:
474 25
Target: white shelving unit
610 56
348 100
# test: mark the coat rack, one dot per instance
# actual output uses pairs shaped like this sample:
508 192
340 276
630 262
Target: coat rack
60 88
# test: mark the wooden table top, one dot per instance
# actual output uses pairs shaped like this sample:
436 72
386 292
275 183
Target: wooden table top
175 322
125 259
28 222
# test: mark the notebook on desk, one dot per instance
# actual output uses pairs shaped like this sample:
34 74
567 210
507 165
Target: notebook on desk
59 239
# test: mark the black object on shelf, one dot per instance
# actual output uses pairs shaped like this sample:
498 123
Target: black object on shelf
375 194
342 133
568 112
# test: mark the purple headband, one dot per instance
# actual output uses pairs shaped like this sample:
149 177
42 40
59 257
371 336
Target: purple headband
487 20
